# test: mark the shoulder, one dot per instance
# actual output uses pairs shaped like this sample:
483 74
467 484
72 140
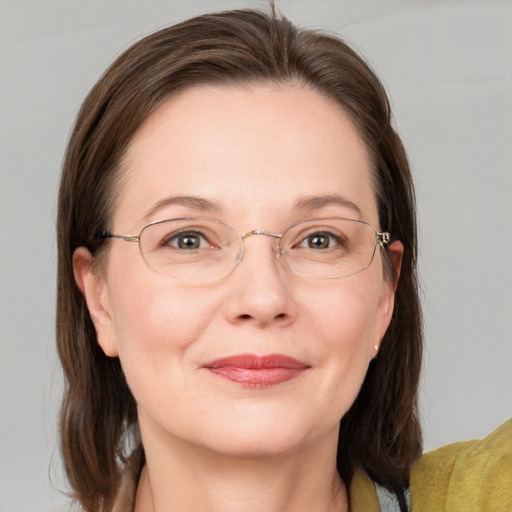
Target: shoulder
468 476
362 493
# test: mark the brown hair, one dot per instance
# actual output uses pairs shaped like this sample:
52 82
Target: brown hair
381 431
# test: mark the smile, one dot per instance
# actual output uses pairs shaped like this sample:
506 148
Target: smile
254 371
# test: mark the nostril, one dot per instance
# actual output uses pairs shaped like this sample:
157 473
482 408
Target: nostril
246 317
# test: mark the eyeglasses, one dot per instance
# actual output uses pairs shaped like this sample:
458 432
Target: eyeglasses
204 250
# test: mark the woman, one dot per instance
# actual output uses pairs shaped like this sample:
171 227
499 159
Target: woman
238 315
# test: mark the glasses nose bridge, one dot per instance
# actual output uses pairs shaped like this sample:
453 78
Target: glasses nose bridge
276 236
261 232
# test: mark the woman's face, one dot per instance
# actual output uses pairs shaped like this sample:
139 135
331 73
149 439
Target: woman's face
253 155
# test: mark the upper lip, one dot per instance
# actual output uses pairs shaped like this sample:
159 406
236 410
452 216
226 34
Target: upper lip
254 362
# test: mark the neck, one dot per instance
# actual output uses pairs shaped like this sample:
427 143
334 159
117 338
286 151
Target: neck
182 478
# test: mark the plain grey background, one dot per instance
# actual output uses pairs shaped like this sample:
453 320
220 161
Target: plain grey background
446 65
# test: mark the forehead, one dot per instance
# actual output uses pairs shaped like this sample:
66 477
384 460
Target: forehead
259 148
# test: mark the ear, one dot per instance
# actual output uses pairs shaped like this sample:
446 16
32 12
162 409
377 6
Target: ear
95 291
395 253
387 299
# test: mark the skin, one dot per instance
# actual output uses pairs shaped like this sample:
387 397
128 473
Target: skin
212 444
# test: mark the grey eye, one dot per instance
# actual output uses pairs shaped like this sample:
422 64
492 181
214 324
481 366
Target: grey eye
189 240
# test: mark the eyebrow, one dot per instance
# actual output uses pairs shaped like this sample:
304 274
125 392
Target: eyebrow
194 202
206 205
318 202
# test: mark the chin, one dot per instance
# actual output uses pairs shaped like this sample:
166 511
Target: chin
265 435
259 445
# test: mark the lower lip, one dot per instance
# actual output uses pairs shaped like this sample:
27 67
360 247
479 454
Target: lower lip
258 378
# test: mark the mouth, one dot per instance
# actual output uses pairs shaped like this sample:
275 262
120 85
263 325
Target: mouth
250 370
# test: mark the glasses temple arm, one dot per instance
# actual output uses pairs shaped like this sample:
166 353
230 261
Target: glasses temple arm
106 234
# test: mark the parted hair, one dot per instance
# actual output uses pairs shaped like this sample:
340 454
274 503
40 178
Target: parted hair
98 422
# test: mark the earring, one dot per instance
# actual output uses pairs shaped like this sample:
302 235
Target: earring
376 347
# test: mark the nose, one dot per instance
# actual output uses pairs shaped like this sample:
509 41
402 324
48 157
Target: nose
260 286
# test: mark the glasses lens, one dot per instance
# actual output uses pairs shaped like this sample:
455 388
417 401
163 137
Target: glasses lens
328 248
190 249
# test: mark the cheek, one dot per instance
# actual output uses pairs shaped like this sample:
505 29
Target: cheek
346 314
156 322
344 320
156 312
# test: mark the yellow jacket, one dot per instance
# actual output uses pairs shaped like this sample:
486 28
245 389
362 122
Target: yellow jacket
471 476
